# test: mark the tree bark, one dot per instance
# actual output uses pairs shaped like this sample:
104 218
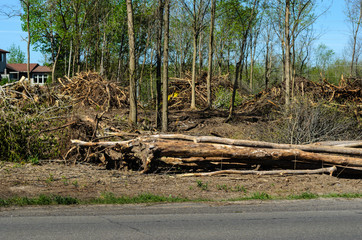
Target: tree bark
211 53
132 67
158 64
165 68
355 34
287 52
193 80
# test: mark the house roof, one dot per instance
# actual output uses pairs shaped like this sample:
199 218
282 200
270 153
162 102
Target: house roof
21 67
3 51
42 69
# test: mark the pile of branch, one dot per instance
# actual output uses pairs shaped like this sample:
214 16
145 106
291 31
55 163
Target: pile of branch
207 153
22 92
180 90
90 89
347 92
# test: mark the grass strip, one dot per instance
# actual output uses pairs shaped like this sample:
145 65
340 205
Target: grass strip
105 198
110 198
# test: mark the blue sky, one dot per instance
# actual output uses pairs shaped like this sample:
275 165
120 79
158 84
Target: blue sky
332 25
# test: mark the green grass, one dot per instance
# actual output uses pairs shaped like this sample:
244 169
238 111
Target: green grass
110 198
41 200
305 195
202 186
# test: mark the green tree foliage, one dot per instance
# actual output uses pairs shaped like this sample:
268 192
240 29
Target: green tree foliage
324 56
16 55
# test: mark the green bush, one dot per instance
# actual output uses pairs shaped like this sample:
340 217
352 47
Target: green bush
21 140
223 98
4 81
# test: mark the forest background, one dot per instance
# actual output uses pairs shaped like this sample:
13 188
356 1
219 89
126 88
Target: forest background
255 43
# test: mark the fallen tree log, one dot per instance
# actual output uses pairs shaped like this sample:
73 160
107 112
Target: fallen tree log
148 152
329 170
350 144
190 149
260 144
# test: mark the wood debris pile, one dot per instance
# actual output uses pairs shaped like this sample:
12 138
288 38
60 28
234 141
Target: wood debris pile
192 155
272 99
180 90
21 92
90 89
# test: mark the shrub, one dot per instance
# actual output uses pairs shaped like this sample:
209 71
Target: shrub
223 98
305 122
20 138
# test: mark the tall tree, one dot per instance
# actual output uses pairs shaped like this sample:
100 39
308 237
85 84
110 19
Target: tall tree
197 11
27 4
287 60
15 55
159 61
165 67
246 17
211 52
132 66
354 16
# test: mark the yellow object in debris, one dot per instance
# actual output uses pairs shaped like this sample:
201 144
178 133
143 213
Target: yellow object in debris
172 95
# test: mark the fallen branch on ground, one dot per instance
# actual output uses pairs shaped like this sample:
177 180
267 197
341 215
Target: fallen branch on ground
329 170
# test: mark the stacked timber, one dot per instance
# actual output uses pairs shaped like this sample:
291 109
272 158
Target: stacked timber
215 155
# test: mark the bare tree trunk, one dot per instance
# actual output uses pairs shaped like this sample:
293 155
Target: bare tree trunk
101 71
165 68
132 67
267 68
240 64
158 64
355 38
251 64
193 80
287 53
211 53
200 55
70 57
27 4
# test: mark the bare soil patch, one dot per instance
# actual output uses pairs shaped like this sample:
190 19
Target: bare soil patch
86 181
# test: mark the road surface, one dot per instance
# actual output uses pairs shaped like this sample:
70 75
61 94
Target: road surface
306 219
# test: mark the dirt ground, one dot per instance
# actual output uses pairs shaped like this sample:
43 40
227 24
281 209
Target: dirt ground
86 181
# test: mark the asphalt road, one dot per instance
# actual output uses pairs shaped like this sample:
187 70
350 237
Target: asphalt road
312 219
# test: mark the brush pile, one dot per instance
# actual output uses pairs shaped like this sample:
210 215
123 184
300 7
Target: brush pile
180 90
90 89
347 93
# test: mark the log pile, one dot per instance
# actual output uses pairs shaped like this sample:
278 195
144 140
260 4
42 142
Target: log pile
192 155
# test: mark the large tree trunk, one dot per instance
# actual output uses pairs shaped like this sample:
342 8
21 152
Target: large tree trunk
287 53
207 151
132 67
165 68
211 53
159 63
